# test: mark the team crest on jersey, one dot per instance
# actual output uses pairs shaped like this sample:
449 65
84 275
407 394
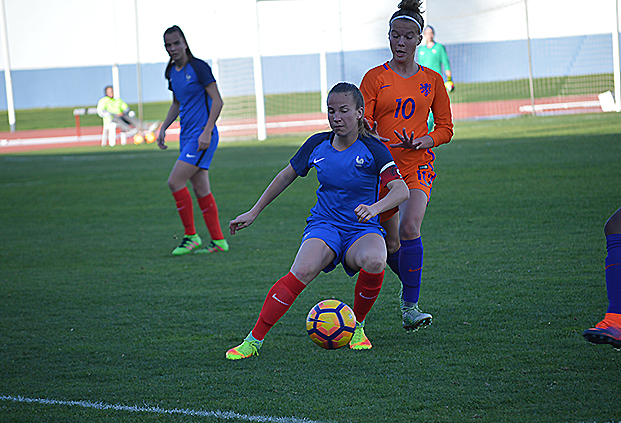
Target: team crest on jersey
188 77
425 88
359 161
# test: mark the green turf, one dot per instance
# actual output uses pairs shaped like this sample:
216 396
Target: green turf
93 307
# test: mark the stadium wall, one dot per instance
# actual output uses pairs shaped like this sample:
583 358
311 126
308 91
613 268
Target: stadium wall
471 62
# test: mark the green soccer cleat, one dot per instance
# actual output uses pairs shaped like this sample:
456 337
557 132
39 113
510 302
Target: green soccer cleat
246 349
359 340
188 244
414 318
215 246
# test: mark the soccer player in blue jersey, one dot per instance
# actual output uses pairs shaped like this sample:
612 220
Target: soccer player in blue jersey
608 331
344 224
197 100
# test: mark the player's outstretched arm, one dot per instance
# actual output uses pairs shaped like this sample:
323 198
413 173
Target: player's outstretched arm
398 193
275 188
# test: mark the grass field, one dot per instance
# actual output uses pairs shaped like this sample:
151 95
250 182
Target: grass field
94 308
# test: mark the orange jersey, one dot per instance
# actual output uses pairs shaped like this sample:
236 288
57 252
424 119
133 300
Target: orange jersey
395 103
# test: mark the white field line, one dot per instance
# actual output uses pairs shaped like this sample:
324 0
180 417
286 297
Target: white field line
157 410
555 106
224 128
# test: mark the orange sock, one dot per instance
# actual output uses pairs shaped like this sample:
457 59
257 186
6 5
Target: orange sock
279 299
210 214
186 212
614 319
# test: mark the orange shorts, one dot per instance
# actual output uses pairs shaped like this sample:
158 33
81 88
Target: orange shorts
421 178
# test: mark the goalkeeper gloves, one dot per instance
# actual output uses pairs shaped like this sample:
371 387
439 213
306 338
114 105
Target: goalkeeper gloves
449 84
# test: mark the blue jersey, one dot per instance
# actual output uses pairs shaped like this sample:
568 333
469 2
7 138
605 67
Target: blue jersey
188 85
346 178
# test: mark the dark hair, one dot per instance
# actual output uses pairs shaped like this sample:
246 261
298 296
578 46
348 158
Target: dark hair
172 30
411 9
106 89
349 88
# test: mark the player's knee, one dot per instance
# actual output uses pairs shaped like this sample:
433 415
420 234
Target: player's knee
172 185
392 245
373 262
409 231
613 225
305 273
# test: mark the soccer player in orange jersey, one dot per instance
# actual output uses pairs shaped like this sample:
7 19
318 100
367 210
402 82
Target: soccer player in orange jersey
399 95
608 331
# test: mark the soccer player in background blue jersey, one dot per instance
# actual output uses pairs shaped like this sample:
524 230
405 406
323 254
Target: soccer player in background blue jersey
197 100
344 224
608 331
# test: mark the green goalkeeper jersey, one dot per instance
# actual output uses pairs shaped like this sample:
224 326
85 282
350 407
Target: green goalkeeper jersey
108 107
434 58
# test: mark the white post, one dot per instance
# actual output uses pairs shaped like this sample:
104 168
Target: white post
7 67
616 59
116 81
215 61
530 60
258 81
138 67
323 76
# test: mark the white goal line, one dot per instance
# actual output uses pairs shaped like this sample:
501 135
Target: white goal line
158 410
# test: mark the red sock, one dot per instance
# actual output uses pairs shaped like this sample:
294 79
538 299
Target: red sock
367 289
186 212
279 299
210 214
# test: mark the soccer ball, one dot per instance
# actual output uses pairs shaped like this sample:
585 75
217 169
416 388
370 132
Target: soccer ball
149 138
138 139
331 324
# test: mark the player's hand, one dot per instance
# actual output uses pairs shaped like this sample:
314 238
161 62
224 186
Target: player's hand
449 86
407 141
204 140
365 213
373 130
411 142
242 221
161 143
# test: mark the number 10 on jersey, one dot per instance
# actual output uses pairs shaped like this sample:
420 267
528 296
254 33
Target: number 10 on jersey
406 108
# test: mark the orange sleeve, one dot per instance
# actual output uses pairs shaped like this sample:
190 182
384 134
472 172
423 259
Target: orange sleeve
368 88
443 120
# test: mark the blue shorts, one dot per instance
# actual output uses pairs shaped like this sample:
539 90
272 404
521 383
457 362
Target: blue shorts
189 150
340 239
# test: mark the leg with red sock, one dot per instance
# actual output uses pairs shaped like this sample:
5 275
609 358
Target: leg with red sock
367 289
209 209
278 301
191 241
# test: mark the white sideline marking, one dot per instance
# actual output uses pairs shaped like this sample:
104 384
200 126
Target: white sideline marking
554 106
148 409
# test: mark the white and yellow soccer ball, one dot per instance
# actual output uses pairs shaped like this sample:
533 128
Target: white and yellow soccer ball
331 324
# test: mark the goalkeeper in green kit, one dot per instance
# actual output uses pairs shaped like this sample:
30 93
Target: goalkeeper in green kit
433 56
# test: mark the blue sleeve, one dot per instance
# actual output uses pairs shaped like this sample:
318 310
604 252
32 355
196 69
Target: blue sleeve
381 153
301 161
203 72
